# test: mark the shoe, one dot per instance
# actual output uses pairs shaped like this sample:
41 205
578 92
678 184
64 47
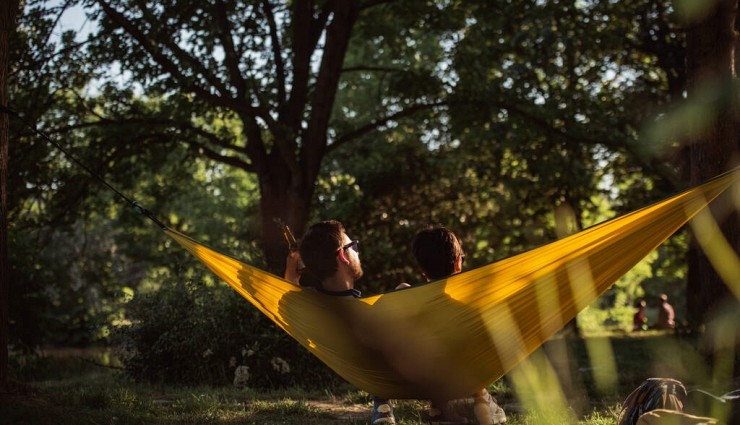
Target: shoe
487 412
382 412
446 414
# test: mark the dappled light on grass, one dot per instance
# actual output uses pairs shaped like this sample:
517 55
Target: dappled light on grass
551 387
602 362
599 350
537 387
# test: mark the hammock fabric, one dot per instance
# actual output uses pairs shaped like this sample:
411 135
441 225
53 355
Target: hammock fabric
449 338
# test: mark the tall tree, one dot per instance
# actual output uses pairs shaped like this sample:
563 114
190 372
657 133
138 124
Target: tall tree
711 63
712 80
255 62
276 68
275 88
8 14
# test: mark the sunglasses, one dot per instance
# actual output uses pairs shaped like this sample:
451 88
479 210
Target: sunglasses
355 244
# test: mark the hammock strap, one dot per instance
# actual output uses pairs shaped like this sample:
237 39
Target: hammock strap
134 204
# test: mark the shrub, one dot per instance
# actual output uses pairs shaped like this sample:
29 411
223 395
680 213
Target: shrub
196 333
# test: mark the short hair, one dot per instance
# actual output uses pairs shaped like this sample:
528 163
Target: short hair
319 246
436 249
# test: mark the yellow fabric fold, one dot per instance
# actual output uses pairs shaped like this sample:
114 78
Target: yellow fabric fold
449 338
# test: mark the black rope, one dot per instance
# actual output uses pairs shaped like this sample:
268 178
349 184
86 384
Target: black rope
135 205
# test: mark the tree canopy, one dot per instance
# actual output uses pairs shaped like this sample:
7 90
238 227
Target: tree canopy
511 122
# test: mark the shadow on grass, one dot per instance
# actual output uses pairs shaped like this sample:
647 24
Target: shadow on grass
64 390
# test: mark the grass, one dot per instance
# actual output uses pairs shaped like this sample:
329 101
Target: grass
558 384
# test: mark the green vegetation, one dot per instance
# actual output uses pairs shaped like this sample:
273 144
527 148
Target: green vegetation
65 388
97 395
196 333
495 119
512 122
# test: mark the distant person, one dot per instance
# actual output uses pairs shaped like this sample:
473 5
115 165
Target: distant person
439 254
666 314
640 320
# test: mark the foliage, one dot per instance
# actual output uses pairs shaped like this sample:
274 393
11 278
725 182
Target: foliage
532 124
84 393
514 123
66 390
194 333
76 253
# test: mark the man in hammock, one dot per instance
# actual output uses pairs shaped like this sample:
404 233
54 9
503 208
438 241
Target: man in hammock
331 260
439 254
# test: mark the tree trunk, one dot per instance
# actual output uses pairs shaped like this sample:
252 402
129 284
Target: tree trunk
7 25
285 191
710 66
282 201
711 69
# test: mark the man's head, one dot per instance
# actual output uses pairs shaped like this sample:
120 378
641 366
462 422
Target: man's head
326 247
438 252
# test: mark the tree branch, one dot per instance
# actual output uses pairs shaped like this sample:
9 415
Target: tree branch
228 160
255 147
374 125
212 138
276 52
370 3
164 38
371 68
172 68
338 34
302 51
230 55
152 122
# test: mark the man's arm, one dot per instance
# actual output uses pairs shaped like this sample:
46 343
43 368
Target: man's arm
293 268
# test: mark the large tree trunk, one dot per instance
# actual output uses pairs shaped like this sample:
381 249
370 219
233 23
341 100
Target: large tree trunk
287 181
286 132
283 201
7 25
711 68
710 65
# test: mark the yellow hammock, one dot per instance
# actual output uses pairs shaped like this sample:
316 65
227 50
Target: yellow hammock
449 338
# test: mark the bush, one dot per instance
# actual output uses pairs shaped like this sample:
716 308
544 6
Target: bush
195 333
615 318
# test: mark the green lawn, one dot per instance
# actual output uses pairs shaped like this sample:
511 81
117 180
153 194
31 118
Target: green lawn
568 381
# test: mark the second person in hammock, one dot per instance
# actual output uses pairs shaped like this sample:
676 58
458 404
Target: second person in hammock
439 254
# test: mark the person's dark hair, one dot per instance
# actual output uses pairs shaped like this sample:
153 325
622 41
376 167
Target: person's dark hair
319 246
436 249
653 393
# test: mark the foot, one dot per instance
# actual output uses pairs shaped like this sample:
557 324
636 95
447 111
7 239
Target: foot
487 411
382 413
